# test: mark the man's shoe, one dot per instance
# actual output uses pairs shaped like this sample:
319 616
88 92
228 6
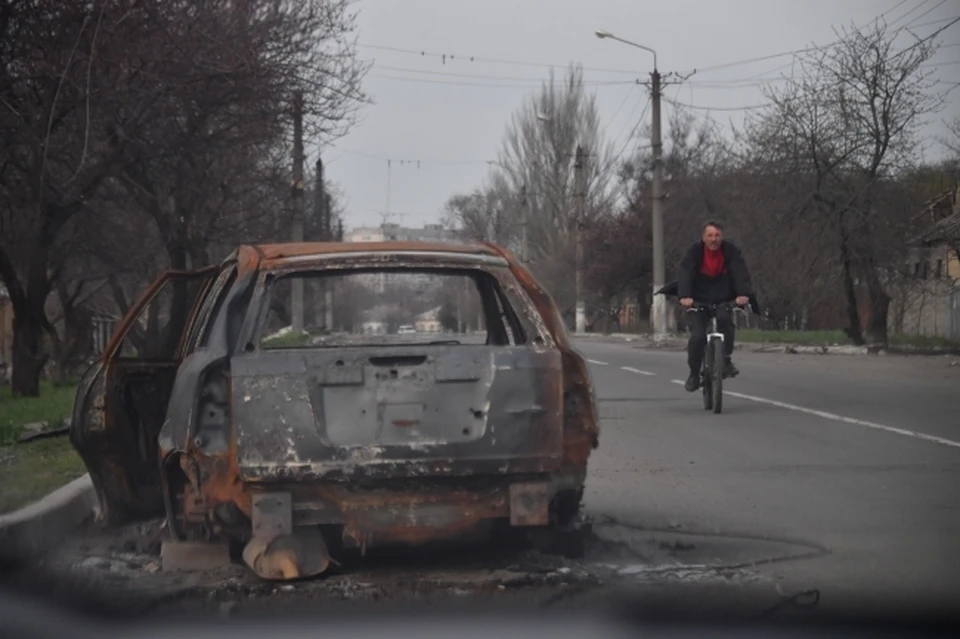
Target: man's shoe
692 383
729 370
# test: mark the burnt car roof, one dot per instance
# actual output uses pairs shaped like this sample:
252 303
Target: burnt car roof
280 256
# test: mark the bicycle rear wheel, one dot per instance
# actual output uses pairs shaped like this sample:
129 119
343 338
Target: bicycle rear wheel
716 372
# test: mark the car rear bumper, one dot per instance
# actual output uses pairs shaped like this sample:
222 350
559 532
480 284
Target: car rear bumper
401 512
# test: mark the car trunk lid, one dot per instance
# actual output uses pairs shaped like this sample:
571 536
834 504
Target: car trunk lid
404 411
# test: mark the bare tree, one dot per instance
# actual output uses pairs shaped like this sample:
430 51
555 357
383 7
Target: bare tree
845 127
490 213
536 166
55 158
178 111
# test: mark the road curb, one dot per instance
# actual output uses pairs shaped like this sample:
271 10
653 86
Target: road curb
41 525
675 343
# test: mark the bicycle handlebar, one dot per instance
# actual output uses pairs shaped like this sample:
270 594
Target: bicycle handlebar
730 306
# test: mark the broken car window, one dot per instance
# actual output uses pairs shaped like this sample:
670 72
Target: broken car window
386 308
158 330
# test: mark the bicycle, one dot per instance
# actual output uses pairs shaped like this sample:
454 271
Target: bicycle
712 373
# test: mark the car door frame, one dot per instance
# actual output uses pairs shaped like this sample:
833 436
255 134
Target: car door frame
97 431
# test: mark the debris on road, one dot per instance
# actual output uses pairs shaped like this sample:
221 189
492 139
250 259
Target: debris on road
615 557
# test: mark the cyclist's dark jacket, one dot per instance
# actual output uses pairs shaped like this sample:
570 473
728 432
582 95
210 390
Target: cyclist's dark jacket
733 281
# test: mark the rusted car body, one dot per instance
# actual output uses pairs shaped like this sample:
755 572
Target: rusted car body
281 448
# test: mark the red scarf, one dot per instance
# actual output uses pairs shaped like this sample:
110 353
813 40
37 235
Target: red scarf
713 265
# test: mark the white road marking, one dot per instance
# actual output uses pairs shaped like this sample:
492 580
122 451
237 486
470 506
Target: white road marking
638 372
841 418
597 362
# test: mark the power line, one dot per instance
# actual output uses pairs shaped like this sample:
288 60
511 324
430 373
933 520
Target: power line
444 57
753 78
633 132
505 78
494 86
405 161
925 13
774 56
917 6
892 9
708 108
942 2
456 58
626 98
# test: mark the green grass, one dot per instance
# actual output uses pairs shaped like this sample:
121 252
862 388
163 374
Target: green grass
804 338
924 342
288 339
828 338
30 470
53 406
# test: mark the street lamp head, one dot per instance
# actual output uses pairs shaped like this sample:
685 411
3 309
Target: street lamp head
603 34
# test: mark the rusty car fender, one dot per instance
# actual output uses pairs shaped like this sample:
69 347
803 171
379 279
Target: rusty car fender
581 425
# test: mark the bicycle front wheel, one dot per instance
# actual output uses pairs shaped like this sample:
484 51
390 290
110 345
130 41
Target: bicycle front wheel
706 378
716 372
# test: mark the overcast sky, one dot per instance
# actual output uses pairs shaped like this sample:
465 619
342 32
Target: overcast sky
444 122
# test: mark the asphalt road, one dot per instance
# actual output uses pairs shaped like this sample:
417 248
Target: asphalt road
832 473
857 456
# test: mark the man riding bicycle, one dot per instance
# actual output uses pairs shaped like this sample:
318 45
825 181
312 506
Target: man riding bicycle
713 271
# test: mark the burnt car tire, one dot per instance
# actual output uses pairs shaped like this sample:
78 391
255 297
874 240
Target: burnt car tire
566 507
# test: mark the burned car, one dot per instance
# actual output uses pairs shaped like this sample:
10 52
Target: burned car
267 401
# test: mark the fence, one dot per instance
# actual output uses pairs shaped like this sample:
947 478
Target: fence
954 314
102 331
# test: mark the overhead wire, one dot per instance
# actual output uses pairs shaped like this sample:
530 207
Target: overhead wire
506 81
402 161
942 2
758 80
626 99
633 132
774 56
916 6
455 57
488 85
698 107
927 12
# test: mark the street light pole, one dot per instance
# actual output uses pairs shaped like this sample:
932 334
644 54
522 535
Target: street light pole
658 311
658 315
580 316
523 224
296 288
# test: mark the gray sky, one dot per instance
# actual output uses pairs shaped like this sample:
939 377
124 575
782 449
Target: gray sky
440 114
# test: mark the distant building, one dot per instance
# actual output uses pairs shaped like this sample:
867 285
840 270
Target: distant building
364 234
396 233
929 303
428 322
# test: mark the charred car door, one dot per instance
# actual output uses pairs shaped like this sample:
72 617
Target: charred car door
122 399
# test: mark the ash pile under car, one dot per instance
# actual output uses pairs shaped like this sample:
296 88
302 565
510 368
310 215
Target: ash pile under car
207 406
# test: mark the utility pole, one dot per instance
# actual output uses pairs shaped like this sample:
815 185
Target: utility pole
321 211
327 237
319 199
658 315
459 311
523 225
296 292
580 186
389 171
